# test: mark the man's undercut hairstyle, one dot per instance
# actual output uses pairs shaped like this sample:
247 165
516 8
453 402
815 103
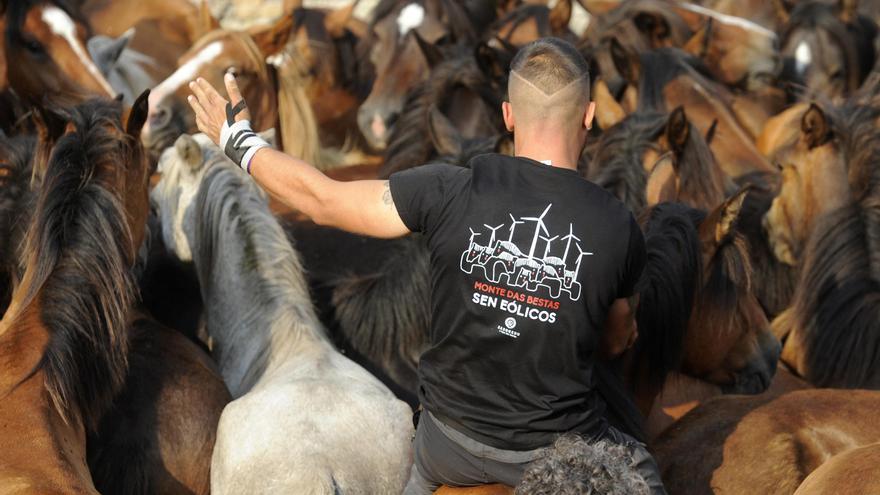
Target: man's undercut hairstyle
549 80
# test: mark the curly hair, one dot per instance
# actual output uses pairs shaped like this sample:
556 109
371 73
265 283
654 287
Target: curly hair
574 466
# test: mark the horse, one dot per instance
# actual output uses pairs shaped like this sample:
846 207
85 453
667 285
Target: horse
393 45
828 49
667 78
853 471
272 351
47 63
159 434
528 22
65 348
460 90
652 157
711 449
831 163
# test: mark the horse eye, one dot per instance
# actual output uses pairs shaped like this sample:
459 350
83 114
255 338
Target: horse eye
34 46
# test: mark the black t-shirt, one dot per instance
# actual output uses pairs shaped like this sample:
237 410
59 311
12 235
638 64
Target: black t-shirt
526 259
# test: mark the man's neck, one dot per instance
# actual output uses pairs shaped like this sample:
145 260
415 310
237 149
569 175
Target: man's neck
548 147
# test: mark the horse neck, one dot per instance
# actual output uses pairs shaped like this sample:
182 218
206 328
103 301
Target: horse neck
259 312
34 438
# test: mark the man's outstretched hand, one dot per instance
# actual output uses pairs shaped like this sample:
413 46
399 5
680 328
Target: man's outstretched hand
210 106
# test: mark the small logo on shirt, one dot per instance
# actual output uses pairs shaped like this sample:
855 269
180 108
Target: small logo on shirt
510 323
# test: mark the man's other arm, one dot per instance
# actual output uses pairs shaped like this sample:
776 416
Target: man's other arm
621 328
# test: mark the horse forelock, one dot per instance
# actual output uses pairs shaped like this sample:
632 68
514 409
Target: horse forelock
837 304
78 271
667 287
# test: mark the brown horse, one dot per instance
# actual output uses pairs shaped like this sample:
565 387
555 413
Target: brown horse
399 62
829 49
853 471
829 165
652 157
65 350
47 62
712 449
668 78
529 22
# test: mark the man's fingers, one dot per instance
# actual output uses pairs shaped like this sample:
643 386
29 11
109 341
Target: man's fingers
202 98
196 106
232 89
214 98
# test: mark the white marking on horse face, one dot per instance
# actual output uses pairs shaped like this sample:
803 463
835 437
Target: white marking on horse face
185 73
410 17
62 25
729 19
802 57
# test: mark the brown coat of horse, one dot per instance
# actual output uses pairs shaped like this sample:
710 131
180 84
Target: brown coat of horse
746 445
854 471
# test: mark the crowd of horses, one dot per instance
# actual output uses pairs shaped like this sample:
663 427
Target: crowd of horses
169 329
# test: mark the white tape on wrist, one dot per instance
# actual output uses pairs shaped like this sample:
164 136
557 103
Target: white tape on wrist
241 143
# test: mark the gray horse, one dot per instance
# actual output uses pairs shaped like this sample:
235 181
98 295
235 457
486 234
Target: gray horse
305 419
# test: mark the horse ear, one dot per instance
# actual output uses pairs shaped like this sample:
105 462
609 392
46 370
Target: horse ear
662 183
608 111
560 15
710 133
782 10
625 61
207 21
654 26
432 53
189 151
336 21
814 126
444 135
698 45
138 115
678 130
271 39
729 213
848 10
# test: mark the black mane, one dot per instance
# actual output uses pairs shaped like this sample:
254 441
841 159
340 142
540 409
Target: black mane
16 205
80 255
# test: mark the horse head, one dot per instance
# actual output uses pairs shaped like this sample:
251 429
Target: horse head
828 48
215 54
47 61
401 40
729 339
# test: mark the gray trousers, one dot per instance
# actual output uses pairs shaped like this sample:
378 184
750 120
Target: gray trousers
445 456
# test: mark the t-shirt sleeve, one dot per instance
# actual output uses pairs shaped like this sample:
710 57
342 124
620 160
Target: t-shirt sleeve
420 194
635 260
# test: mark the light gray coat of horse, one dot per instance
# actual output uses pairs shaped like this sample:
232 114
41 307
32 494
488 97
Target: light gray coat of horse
305 419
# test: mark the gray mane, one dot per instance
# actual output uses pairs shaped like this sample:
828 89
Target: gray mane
238 240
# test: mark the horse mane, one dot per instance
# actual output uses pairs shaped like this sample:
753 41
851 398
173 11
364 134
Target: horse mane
702 183
231 210
662 65
855 126
408 145
619 154
856 39
387 314
521 14
298 127
667 288
838 316
80 254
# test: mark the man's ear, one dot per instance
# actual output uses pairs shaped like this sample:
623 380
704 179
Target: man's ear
507 113
588 116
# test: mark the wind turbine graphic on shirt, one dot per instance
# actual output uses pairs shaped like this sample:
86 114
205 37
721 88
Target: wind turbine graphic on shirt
581 255
568 239
492 237
471 240
513 227
549 241
539 226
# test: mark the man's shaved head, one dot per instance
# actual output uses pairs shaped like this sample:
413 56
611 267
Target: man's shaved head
549 83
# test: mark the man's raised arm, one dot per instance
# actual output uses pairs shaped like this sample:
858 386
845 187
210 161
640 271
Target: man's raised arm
363 207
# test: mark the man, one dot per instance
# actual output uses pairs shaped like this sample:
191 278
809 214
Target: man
533 271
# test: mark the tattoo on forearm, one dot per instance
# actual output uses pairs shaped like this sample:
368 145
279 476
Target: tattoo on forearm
386 194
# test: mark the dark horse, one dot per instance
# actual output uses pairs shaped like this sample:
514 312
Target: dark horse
16 198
